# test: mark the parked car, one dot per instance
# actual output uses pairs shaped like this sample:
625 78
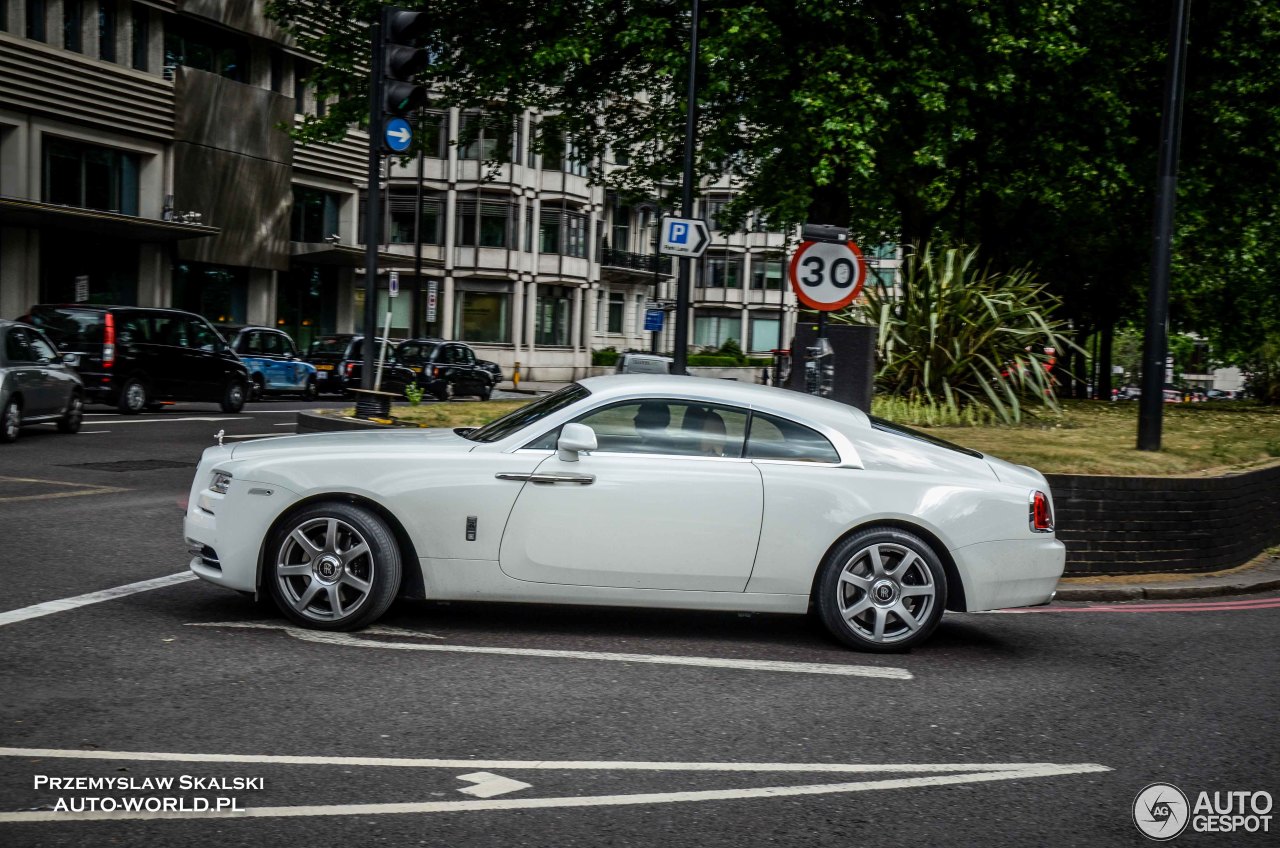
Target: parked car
446 369
273 363
339 358
655 491
36 384
134 357
494 369
642 363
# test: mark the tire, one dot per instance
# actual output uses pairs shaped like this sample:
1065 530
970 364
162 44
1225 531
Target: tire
233 397
485 393
134 397
74 416
311 392
257 388
881 590
11 421
315 579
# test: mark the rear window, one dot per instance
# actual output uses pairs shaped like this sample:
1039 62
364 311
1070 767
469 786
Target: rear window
898 430
413 353
68 326
330 344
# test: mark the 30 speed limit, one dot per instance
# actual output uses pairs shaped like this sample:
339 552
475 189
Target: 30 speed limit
827 275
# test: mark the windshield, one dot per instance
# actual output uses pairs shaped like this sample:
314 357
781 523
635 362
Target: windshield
69 326
524 416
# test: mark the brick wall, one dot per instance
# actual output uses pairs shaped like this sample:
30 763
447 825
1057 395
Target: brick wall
1143 525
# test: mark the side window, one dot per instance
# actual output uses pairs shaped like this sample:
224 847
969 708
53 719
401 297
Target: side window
15 347
132 329
201 336
466 356
675 427
168 331
286 345
777 438
270 344
41 348
250 343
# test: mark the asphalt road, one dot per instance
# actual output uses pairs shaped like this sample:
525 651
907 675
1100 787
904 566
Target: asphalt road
471 724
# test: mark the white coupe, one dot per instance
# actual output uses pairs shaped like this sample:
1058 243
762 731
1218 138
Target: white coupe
644 491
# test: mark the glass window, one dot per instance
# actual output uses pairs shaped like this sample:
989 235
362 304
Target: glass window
484 137
575 243
617 303
621 222
553 313
766 274
549 229
315 214
69 327
552 149
73 25
89 176
663 426
435 135
141 37
485 223
40 347
206 48
249 343
575 161
36 20
529 414
431 222
482 316
218 292
715 330
415 353
723 272
16 348
715 204
107 30
778 438
200 336
277 71
765 334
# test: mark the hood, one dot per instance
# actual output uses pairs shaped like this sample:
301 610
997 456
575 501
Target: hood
351 441
1007 472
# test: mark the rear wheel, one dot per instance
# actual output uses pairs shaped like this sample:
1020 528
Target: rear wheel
258 389
74 416
882 590
334 566
311 392
134 397
486 393
233 397
10 421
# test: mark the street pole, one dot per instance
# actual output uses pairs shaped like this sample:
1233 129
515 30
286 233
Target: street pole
1156 341
415 323
372 207
681 353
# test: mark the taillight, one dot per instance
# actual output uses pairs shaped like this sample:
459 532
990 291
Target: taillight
1041 513
109 341
351 366
435 372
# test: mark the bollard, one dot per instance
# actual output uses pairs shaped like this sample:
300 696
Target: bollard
515 376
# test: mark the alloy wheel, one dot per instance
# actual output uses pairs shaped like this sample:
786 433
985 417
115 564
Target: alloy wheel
886 592
325 569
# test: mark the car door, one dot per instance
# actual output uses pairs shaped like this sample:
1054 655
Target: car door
203 358
54 385
292 371
27 375
666 502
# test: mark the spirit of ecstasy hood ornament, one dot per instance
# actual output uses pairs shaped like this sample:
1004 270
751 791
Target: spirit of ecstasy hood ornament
218 436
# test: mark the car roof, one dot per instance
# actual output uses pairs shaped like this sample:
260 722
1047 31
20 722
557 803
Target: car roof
784 402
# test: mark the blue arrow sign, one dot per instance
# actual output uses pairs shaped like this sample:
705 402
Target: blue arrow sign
397 134
653 320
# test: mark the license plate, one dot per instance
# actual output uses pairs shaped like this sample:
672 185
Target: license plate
417 369
324 367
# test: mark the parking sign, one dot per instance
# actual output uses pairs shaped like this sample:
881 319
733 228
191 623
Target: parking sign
684 237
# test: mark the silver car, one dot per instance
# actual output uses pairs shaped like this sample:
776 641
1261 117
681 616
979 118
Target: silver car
36 384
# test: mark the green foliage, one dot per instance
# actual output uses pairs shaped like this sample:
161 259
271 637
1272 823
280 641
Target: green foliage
732 348
1263 370
606 356
414 393
960 335
922 412
714 360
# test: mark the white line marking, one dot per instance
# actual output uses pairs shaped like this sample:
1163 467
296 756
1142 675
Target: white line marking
91 432
980 776
50 607
286 424
165 420
349 640
490 785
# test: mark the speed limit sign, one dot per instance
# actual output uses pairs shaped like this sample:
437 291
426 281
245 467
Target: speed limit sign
827 275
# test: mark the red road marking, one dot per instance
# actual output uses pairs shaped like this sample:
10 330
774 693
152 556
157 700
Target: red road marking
1188 606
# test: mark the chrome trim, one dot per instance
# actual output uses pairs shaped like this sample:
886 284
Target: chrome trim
580 479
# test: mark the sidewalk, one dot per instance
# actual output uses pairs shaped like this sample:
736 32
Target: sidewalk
1261 575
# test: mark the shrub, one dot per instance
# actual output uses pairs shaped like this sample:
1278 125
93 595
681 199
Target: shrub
607 356
959 335
1263 370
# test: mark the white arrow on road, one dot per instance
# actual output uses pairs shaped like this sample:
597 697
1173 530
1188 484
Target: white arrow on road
490 785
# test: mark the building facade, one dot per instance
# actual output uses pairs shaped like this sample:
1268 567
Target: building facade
142 161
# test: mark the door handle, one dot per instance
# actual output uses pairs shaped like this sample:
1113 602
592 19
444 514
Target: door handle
580 479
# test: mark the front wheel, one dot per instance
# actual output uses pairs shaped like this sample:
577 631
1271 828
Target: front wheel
259 388
10 421
74 416
882 590
334 566
233 397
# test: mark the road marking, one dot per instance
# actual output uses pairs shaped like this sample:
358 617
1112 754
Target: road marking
91 432
50 607
490 785
350 640
286 424
1190 606
166 420
81 489
929 775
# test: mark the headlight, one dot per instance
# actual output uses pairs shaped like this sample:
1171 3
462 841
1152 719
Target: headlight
221 480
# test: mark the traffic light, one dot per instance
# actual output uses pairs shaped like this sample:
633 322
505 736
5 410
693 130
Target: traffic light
402 59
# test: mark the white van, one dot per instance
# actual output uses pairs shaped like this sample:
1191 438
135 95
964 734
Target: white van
643 363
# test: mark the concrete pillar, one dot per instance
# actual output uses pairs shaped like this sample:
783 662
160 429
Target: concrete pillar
345 319
19 270
591 318
531 323
575 321
517 317
449 327
261 307
155 283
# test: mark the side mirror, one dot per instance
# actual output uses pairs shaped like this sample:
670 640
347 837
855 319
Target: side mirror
575 438
71 359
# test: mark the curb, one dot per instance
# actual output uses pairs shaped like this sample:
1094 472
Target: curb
1144 593
311 422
